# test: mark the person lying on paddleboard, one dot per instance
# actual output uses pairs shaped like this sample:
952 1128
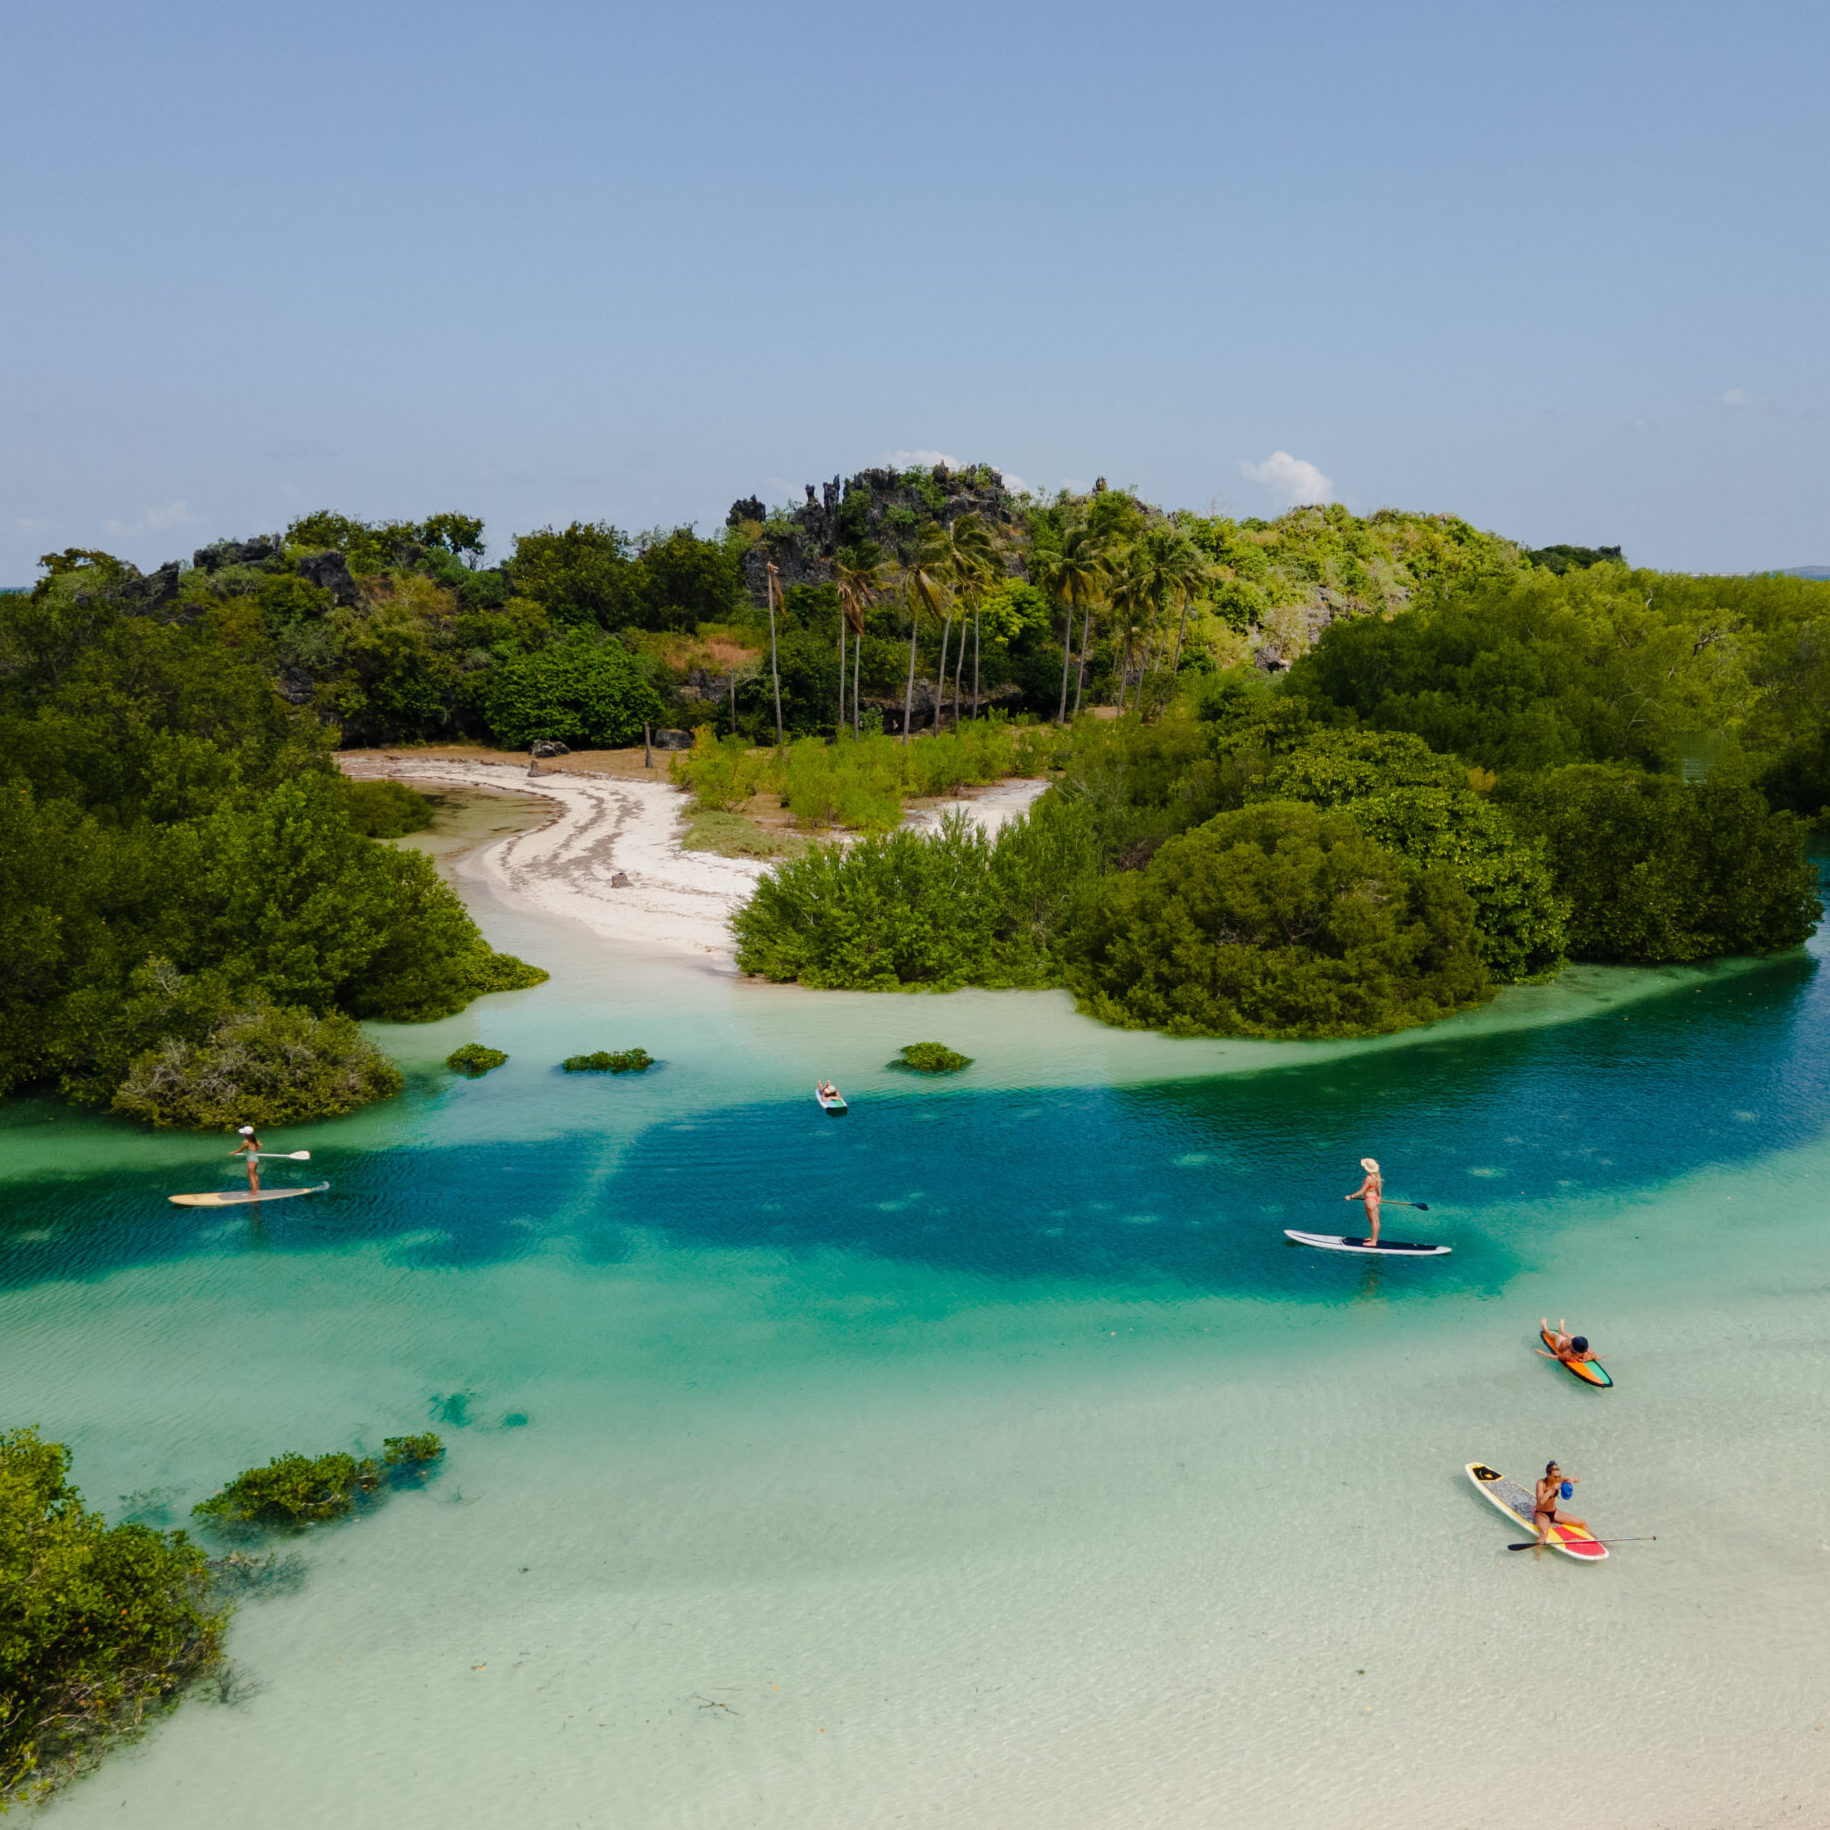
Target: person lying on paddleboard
251 1145
1569 1348
1371 1191
1550 1490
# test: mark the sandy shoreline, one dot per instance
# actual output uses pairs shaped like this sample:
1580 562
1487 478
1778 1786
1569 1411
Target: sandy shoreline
611 857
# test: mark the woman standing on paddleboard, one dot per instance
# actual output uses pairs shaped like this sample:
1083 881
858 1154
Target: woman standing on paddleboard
252 1146
1371 1191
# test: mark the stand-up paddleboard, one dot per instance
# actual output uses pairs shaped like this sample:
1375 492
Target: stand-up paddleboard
1518 1503
1396 1248
1590 1372
240 1196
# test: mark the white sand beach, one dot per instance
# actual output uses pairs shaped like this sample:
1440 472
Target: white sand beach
611 856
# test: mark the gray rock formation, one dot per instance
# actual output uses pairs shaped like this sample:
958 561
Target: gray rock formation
330 572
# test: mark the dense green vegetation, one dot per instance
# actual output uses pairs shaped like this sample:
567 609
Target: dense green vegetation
295 1491
1280 919
1521 765
858 782
191 913
101 1625
177 823
474 1059
931 1058
387 810
610 1061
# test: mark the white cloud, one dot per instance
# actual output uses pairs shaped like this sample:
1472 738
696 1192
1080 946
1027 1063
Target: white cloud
908 460
32 524
1741 400
152 520
1293 481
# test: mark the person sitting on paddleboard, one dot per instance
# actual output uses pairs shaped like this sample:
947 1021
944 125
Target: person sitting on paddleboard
1567 1347
1371 1191
251 1145
1550 1490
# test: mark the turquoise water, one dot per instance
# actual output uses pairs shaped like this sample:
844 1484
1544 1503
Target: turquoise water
986 1456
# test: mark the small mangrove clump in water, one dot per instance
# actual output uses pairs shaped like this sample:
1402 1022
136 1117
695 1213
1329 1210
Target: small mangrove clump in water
104 1625
608 1061
932 1058
474 1059
296 1491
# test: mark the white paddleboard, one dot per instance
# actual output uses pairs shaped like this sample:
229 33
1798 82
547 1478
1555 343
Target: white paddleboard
240 1196
1394 1248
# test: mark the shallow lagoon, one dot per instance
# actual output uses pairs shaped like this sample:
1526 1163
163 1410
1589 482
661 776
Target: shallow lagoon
987 1456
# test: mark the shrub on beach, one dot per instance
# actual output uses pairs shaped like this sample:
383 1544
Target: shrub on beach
474 1059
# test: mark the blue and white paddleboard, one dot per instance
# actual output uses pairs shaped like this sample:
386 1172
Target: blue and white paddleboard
1395 1248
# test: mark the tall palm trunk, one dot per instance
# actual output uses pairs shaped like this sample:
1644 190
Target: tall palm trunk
837 728
1067 660
857 669
908 697
775 672
959 670
940 680
1175 666
1086 636
978 617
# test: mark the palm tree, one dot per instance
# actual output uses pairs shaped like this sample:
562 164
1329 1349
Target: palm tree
775 592
1134 597
1072 575
970 559
860 574
924 586
1184 569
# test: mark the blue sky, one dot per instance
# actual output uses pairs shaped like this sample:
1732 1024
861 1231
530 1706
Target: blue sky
1558 268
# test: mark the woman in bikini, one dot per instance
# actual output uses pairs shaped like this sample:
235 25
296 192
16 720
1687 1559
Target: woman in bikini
1550 1490
250 1146
1371 1191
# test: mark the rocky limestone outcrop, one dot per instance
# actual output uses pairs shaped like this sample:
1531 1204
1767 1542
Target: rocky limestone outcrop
884 506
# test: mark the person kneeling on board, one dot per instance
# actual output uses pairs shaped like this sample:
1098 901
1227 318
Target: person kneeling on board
1552 1488
1571 1349
252 1146
1371 1191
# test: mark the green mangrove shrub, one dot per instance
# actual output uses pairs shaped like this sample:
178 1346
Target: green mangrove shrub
932 1058
386 810
1280 920
266 1064
102 1626
609 1061
295 1491
1661 870
474 1059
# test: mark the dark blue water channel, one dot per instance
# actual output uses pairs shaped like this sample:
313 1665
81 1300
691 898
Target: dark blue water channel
1189 1182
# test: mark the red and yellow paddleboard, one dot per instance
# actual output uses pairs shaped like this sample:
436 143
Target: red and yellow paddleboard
1590 1372
1517 1503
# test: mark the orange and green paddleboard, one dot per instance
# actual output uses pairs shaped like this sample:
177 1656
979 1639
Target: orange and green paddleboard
1590 1372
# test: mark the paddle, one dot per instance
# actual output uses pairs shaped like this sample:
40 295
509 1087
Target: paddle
284 1156
1547 1545
1423 1207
